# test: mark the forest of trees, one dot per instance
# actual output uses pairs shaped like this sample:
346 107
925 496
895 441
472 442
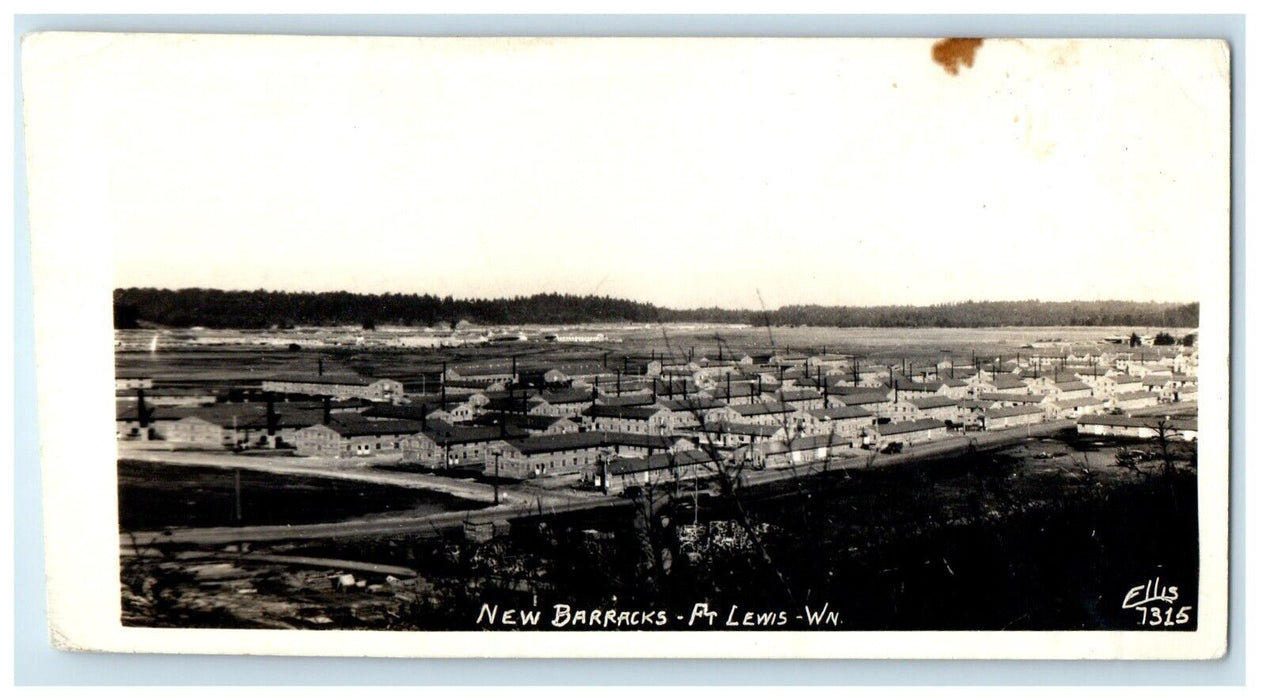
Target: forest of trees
973 314
214 308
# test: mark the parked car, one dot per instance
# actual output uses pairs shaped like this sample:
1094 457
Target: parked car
892 448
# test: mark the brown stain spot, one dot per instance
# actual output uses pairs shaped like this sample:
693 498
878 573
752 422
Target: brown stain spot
953 53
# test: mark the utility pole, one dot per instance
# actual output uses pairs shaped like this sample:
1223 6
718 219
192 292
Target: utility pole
237 495
497 473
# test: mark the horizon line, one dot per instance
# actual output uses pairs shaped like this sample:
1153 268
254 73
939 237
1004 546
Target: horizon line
660 306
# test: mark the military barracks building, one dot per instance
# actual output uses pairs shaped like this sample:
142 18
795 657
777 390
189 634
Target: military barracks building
339 387
356 436
572 453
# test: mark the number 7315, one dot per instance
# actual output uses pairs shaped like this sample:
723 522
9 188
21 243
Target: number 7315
1156 616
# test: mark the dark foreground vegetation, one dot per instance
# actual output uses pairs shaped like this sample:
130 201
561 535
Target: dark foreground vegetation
156 496
1018 539
214 308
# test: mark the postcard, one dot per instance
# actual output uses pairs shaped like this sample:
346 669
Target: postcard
632 347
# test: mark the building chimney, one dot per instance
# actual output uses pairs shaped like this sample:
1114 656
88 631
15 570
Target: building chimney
142 413
321 367
271 417
325 410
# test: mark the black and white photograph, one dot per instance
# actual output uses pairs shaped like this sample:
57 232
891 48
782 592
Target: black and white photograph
540 336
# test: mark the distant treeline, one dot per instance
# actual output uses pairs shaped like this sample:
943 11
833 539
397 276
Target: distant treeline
214 308
975 314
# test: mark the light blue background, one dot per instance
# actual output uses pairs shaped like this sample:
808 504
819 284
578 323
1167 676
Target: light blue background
36 663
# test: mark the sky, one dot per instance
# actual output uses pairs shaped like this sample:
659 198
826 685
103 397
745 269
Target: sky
735 173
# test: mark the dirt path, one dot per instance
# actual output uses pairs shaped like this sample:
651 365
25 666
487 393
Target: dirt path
305 466
415 524
528 504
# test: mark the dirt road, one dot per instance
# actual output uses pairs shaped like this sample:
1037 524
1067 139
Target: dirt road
544 503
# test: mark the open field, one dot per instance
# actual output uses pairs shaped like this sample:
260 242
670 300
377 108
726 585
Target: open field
157 496
419 369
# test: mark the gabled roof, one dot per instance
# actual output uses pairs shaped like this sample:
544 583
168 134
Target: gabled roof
461 434
588 440
741 388
415 411
691 404
352 425
1078 403
642 412
518 404
226 415
287 419
852 399
1139 422
563 396
848 390
660 462
839 413
904 384
1015 398
761 409
929 402
338 379
631 399
1005 381
909 426
974 404
796 394
810 442
1008 411
526 421
753 429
